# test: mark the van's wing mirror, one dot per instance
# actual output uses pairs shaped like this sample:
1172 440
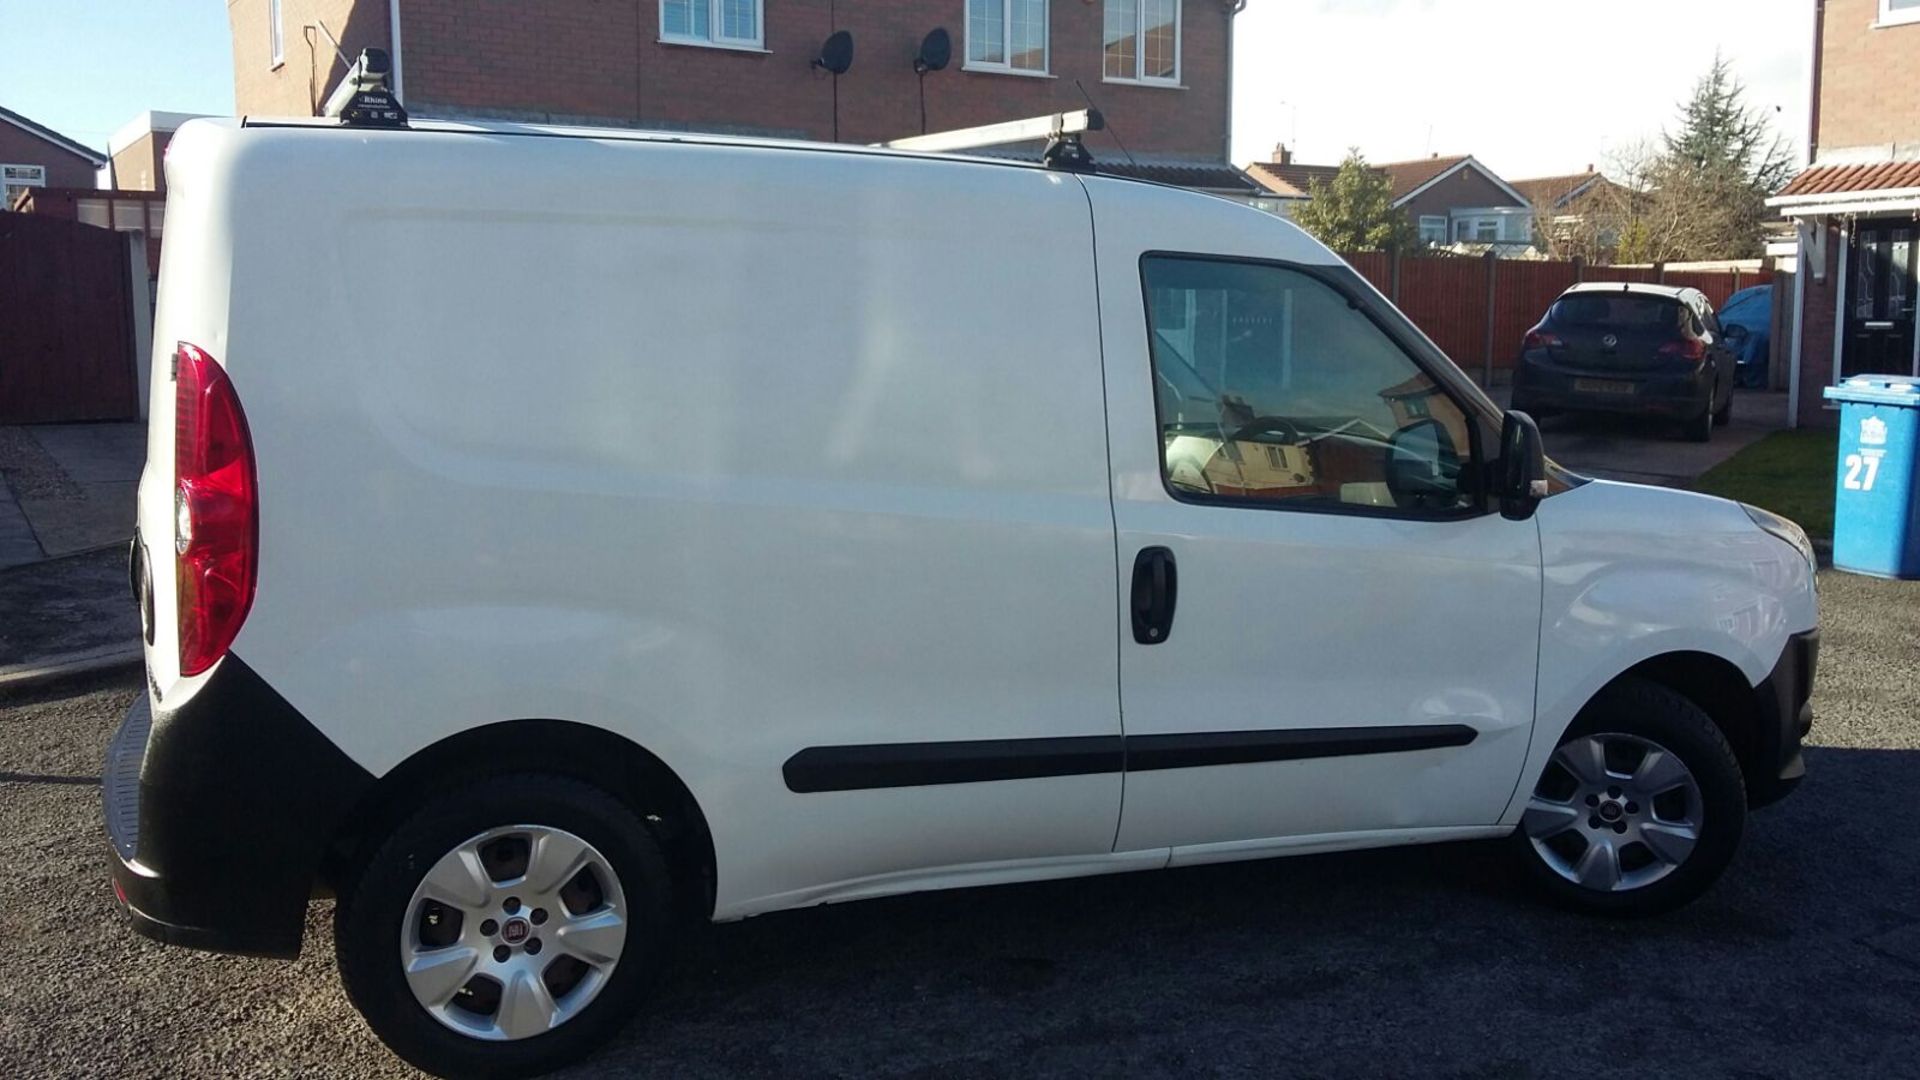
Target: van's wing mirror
1522 467
1734 333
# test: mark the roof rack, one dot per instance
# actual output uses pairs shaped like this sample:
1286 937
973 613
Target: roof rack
1062 131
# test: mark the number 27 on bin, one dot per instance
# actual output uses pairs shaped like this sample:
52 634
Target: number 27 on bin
1861 469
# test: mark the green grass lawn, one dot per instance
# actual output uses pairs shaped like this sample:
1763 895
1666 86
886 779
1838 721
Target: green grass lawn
1788 472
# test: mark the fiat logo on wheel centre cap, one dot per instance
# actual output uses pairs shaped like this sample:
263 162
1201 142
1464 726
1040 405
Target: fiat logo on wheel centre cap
515 931
1610 341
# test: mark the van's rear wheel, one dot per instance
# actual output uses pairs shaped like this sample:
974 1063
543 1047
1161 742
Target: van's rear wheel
505 928
1640 807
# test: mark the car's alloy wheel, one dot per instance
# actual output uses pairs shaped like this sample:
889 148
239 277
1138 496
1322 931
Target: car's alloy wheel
513 932
1614 812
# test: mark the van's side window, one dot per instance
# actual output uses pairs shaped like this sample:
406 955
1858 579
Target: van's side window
1272 390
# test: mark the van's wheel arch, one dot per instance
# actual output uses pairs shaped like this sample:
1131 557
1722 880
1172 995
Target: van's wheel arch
581 752
507 927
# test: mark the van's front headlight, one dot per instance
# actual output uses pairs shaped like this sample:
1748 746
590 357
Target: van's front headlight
1786 529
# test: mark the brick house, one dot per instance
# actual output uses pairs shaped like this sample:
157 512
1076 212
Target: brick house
1457 200
1449 199
1857 207
1159 70
33 156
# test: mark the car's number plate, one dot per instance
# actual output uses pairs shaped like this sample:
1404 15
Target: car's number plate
1602 386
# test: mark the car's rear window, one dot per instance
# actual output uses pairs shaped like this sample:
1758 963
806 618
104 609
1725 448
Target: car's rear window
1629 310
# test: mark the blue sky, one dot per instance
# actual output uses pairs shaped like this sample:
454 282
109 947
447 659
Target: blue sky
85 67
1532 87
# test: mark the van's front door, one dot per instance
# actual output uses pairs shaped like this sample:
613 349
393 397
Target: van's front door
1327 633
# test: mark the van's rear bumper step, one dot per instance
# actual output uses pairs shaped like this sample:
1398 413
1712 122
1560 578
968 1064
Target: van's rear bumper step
219 812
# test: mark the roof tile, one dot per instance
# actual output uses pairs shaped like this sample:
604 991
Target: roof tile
1838 179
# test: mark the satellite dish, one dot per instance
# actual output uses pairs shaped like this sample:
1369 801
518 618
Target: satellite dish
836 53
936 51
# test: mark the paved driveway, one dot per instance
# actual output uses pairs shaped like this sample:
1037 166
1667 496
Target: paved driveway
1625 448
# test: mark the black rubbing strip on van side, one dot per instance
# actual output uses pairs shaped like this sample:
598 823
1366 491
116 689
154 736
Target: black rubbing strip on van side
888 765
892 765
1198 749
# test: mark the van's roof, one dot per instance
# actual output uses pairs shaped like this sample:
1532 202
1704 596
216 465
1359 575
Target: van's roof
1671 292
621 134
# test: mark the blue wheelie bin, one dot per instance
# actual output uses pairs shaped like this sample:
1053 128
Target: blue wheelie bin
1876 515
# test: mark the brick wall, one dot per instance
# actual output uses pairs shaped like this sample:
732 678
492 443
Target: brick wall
601 61
1816 338
64 168
310 68
1869 78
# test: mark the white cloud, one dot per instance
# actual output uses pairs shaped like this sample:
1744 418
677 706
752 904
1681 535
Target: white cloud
1531 87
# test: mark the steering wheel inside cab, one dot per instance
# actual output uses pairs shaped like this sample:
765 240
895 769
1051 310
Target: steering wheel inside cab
1267 425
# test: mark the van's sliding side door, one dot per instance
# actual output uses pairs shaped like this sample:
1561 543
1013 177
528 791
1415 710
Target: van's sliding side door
1324 630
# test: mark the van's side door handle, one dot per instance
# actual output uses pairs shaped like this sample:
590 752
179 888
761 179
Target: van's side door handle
1156 588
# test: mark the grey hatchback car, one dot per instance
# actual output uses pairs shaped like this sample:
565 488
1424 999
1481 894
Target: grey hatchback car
1619 347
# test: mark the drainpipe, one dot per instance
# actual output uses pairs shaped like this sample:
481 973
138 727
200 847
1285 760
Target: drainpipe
1234 7
393 38
1813 113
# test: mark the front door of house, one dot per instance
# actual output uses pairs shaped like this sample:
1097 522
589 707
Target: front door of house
1880 300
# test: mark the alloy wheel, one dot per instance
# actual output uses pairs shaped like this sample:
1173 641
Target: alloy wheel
513 932
1614 812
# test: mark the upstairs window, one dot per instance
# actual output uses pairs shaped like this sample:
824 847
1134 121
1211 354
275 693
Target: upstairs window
1007 35
1142 41
733 24
1899 11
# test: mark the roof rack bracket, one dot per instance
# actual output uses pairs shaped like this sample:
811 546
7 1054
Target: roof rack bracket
364 97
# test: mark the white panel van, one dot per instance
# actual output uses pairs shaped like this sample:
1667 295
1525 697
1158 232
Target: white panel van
551 535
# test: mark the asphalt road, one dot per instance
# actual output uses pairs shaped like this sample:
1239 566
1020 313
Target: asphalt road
1805 961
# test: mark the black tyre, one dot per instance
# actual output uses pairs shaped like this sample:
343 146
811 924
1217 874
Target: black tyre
1700 428
1724 415
506 927
1640 808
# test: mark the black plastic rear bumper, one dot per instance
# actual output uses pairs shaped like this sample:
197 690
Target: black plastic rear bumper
219 813
1786 714
1668 394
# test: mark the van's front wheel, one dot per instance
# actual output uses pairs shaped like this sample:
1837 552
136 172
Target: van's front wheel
505 928
1640 807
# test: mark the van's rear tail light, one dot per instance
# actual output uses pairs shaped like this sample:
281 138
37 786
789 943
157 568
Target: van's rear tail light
1540 339
1686 348
216 510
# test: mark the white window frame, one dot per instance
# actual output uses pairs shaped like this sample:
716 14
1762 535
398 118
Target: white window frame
714 40
1045 71
1438 222
276 35
1890 16
1138 77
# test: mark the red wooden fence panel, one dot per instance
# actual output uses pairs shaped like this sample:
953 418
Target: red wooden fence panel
1717 284
66 322
1375 266
1646 275
1447 298
1523 290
